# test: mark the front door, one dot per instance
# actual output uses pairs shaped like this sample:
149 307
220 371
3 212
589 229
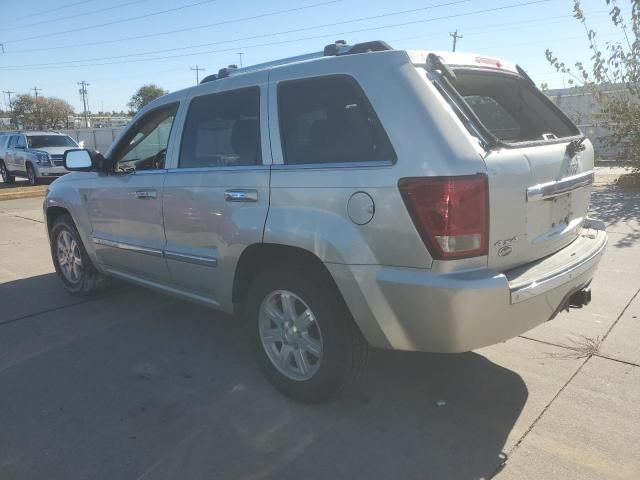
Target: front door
217 197
125 207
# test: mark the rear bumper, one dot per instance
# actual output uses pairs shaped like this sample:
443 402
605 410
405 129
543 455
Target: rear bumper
413 309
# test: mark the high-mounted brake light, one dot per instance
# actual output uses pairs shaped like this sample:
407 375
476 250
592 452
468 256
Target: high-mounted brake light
489 61
450 213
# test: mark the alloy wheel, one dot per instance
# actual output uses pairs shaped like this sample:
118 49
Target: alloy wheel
290 335
69 258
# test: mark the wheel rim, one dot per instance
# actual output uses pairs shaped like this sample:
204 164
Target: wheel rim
69 258
290 335
32 176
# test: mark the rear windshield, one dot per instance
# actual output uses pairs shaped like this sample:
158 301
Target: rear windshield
511 108
42 141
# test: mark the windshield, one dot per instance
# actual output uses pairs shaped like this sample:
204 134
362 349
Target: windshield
42 141
511 108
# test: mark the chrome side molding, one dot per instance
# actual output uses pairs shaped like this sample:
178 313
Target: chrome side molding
544 191
195 259
181 257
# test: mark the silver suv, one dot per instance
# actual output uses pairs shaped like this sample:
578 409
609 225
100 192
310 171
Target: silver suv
34 155
361 196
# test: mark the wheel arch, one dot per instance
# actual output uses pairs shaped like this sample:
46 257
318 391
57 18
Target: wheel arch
259 256
55 212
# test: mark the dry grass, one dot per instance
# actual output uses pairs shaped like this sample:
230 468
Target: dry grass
581 347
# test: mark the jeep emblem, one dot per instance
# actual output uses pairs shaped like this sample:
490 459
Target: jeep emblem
504 251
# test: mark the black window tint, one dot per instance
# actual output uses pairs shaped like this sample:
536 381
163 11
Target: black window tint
329 120
222 129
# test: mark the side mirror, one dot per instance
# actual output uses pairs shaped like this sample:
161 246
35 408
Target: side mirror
78 160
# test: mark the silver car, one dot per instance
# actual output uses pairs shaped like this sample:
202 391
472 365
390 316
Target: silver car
36 156
359 197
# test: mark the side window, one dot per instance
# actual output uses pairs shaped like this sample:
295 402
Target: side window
19 142
329 120
145 144
222 129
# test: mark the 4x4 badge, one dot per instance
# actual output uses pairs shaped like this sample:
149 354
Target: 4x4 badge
504 246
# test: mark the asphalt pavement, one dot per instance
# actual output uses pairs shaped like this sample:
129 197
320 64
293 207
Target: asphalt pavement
132 384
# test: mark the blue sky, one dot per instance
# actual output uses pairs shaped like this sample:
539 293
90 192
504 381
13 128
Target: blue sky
73 32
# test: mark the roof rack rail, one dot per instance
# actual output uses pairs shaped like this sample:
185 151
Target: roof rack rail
340 47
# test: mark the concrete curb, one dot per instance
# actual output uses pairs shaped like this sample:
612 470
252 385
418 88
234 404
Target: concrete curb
26 193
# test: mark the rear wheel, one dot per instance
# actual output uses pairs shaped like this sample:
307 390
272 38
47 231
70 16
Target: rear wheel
302 335
71 261
31 175
6 177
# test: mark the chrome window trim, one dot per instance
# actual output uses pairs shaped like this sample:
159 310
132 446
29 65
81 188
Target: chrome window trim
127 246
194 259
544 191
325 166
241 168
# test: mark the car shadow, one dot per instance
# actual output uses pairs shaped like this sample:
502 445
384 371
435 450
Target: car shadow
611 205
153 387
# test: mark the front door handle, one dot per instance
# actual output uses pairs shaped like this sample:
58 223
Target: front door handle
241 195
146 194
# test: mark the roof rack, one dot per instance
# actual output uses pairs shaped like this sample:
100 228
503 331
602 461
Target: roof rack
338 48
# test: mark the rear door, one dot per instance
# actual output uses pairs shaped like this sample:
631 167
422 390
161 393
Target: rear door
216 197
20 154
540 168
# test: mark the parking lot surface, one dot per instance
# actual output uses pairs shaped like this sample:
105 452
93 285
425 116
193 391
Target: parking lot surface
135 385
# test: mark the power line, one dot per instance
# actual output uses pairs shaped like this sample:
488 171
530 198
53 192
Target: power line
199 27
84 14
446 17
57 8
197 69
123 20
253 37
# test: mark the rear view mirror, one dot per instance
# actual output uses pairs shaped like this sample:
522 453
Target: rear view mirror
77 160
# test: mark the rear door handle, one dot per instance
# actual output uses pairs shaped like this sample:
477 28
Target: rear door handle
146 194
241 195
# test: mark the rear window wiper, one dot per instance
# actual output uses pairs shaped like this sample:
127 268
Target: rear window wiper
575 146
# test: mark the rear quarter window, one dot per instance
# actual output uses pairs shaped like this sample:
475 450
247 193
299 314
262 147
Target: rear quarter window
329 119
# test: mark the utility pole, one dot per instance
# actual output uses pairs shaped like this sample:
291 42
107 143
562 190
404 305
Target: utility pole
240 55
197 69
8 92
455 39
84 94
36 90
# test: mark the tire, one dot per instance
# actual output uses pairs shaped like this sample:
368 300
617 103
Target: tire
343 349
88 280
6 177
31 175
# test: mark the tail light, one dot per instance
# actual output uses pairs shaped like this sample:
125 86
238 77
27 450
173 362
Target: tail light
450 213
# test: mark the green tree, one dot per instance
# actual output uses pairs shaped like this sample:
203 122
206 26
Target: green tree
612 76
144 95
47 112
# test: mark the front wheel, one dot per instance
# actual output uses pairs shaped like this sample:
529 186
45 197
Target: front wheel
302 334
6 177
71 261
31 175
